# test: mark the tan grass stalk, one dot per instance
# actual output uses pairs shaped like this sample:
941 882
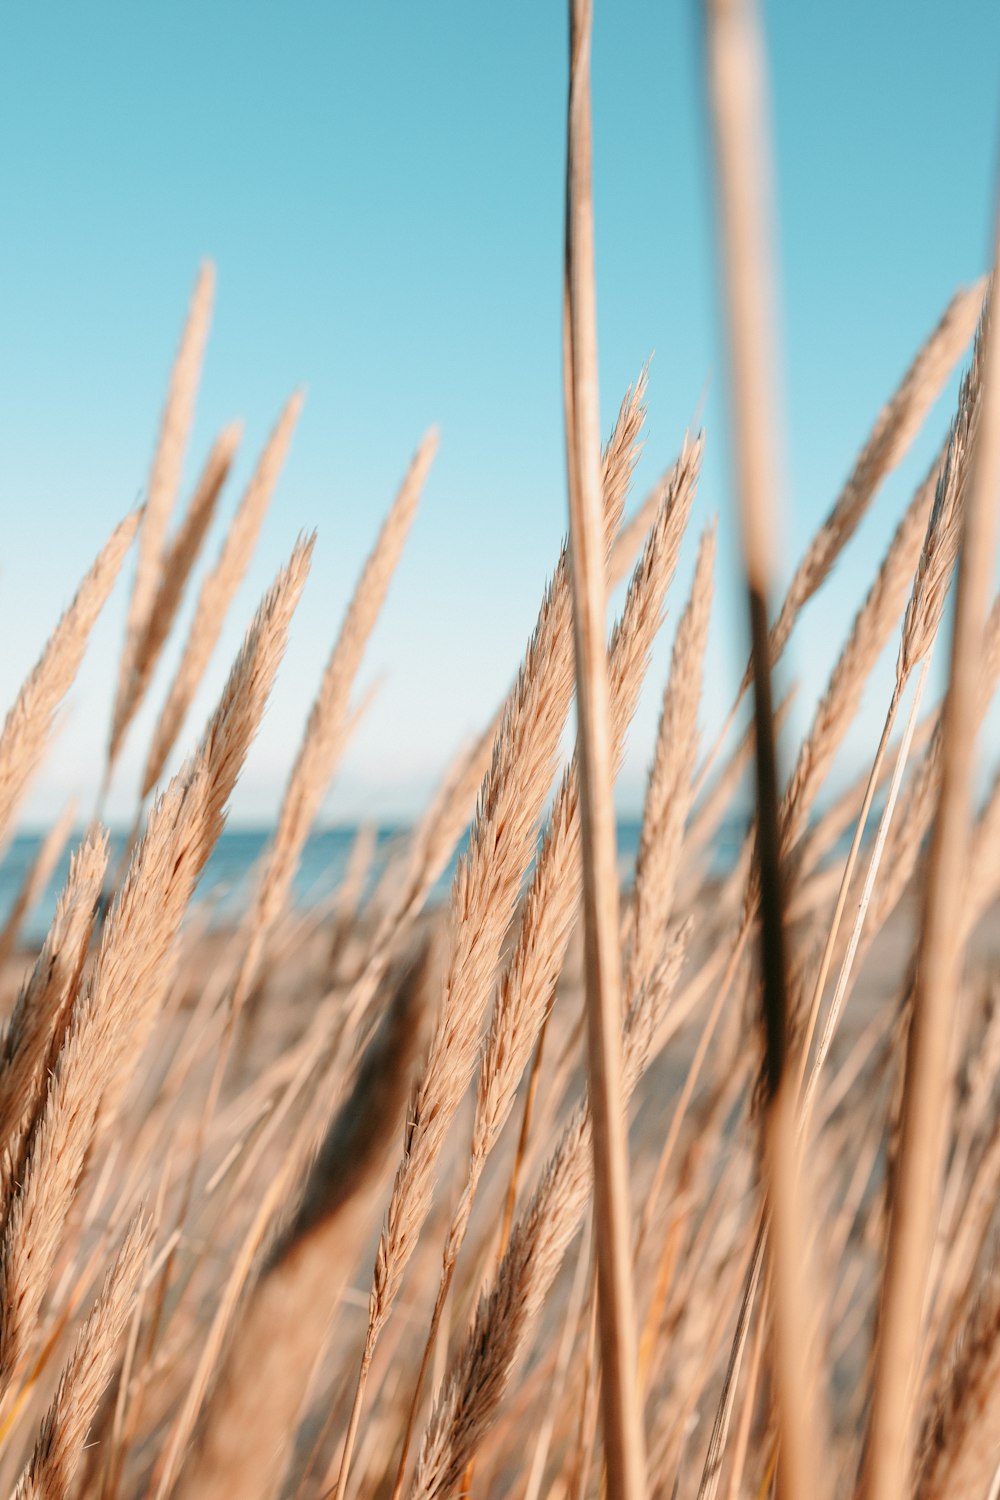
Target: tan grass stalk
478 1378
484 895
924 618
322 743
843 978
325 731
116 1426
895 428
668 791
927 1074
63 1433
36 881
34 1032
961 1441
164 479
684 663
917 805
912 821
870 629
433 843
217 592
633 533
621 1409
737 95
29 722
527 985
178 560
112 1017
830 825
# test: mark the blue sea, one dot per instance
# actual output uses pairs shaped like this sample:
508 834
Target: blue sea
225 883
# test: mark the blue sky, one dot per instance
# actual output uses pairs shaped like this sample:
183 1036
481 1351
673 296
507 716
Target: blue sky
380 187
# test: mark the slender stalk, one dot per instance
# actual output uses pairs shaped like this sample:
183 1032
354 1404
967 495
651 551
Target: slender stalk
623 1439
836 1004
842 892
927 1077
736 72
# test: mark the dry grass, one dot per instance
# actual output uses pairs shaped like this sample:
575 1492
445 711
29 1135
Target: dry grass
332 1200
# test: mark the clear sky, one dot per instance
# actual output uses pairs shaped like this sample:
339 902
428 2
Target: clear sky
380 186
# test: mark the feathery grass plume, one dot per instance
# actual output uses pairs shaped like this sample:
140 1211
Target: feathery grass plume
34 1031
28 723
164 479
112 1017
321 746
42 869
895 428
323 739
448 813
63 1433
937 559
917 805
527 985
920 623
217 591
478 1377
484 894
624 1448
178 560
916 815
869 632
252 1413
668 791
870 629
961 1438
927 1076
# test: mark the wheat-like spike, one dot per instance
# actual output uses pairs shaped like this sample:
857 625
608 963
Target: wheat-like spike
484 894
937 560
527 985
668 790
63 1433
961 1438
28 723
895 428
916 808
325 730
164 479
217 591
178 561
113 1016
33 1034
927 1076
42 869
448 813
869 632
478 1378
322 743
920 624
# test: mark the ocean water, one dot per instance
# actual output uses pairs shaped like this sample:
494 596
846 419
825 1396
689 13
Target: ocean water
226 882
